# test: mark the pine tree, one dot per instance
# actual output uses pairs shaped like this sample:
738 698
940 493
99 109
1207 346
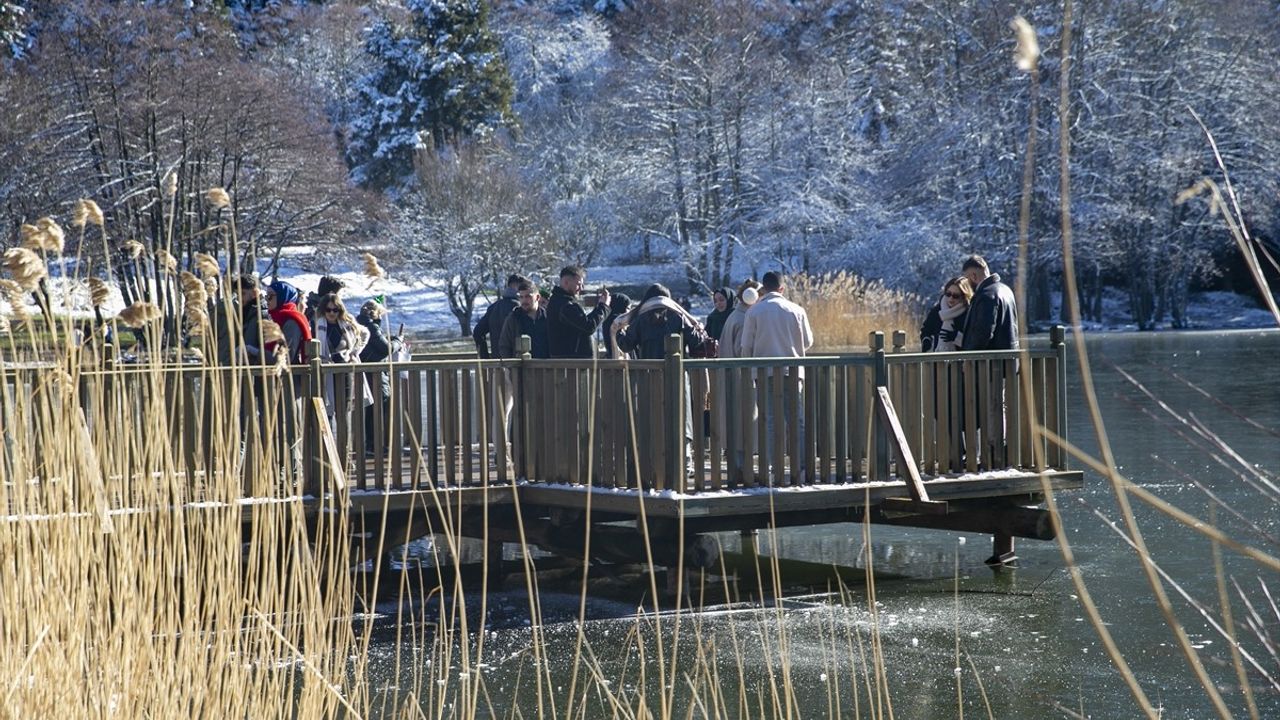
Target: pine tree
440 80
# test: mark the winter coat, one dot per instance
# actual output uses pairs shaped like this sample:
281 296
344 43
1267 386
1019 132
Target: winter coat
570 326
939 334
342 342
646 335
717 318
519 323
490 325
992 322
377 348
293 324
731 334
776 327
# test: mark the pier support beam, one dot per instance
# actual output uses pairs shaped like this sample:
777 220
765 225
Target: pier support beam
1001 550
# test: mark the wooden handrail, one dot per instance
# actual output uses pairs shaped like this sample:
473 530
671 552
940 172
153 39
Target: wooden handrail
446 421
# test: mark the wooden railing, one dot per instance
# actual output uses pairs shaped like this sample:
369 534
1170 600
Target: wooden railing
667 425
698 425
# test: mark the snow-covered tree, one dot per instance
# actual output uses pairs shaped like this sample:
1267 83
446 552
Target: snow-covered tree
471 221
12 21
439 79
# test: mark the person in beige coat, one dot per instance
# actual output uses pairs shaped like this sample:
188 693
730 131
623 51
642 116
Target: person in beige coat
731 404
775 327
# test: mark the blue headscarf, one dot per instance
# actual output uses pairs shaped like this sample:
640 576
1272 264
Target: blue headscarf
284 292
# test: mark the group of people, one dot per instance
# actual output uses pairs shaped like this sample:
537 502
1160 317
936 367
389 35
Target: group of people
755 320
323 317
976 311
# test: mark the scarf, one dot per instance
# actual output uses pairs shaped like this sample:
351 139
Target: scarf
650 305
949 315
717 318
341 345
283 313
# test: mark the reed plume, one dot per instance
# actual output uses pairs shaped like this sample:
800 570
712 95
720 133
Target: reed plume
134 249
194 290
206 265
28 236
86 212
54 238
16 297
217 198
372 268
1027 53
25 266
271 332
169 185
166 260
140 314
99 292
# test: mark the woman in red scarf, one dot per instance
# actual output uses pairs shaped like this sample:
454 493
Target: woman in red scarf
282 305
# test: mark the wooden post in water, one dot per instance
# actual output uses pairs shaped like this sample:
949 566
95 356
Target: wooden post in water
674 439
1058 341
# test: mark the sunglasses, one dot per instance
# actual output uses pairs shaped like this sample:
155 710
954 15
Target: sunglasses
330 310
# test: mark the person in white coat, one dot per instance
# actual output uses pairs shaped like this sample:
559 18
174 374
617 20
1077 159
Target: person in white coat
730 403
775 327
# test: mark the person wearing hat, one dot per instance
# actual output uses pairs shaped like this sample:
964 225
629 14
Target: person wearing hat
282 306
619 305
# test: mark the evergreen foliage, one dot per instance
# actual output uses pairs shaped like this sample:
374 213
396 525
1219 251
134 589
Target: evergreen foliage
438 80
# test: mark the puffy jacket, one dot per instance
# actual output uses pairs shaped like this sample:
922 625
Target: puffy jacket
992 322
570 327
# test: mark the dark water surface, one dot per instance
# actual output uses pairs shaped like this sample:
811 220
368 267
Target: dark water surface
1023 630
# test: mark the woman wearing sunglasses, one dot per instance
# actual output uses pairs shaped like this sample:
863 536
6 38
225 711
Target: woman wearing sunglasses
341 341
944 325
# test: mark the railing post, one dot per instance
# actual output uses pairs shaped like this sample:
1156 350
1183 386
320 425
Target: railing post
674 440
1058 341
880 463
313 468
520 430
899 341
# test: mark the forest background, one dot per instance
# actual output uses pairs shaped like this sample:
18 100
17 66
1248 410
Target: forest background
459 140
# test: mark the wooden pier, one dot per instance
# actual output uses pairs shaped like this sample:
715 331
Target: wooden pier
544 450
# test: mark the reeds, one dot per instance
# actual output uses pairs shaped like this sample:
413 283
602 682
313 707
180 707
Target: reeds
844 309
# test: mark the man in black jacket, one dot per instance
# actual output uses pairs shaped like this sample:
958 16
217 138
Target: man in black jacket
490 326
993 315
992 324
569 326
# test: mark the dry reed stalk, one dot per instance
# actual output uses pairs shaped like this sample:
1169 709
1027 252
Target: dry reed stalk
844 309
